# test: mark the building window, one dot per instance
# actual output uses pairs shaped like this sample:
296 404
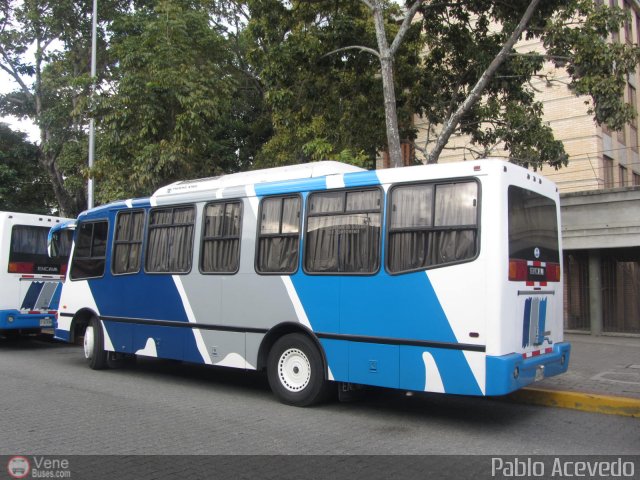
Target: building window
221 237
170 240
607 171
636 180
628 29
615 35
278 235
343 232
620 273
577 315
90 250
622 173
432 224
127 244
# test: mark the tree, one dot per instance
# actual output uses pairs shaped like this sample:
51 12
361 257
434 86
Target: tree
179 108
469 78
44 47
24 187
324 101
474 82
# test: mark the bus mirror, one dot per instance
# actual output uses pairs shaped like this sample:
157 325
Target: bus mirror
53 244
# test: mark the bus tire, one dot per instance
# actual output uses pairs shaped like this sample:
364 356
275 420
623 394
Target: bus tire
296 371
93 345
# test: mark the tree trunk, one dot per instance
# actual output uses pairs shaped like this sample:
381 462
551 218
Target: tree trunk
388 89
390 113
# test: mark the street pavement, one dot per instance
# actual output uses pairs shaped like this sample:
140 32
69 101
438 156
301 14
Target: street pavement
603 376
604 365
53 404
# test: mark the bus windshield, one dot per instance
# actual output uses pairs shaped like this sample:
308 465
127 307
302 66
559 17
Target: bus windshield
28 252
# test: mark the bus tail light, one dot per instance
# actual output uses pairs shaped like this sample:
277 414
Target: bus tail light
21 267
518 270
553 272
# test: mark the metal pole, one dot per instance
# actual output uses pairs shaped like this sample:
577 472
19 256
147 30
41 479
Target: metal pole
92 140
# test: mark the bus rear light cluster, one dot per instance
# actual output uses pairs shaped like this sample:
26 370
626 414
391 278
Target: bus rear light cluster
21 267
519 271
553 272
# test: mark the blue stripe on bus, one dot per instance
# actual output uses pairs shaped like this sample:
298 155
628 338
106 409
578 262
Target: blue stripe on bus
359 179
526 322
166 305
31 297
290 186
542 320
55 299
331 307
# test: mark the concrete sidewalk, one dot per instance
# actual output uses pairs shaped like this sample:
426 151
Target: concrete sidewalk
603 376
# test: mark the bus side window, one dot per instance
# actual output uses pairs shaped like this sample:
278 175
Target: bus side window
278 235
90 252
127 243
343 232
432 224
221 237
170 240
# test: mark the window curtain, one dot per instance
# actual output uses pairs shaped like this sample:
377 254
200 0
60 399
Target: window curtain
279 235
221 246
30 240
171 240
419 238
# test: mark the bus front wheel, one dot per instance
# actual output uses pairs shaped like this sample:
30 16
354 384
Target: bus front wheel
93 344
296 371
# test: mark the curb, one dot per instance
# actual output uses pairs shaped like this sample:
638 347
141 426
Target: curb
587 402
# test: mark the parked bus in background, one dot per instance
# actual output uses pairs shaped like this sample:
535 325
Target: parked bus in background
442 278
30 281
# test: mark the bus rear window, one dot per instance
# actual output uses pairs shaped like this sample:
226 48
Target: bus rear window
533 236
28 253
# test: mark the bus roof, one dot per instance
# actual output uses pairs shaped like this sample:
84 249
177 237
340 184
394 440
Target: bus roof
267 175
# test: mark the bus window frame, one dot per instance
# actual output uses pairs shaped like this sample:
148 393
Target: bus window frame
282 197
224 201
148 234
435 183
128 242
72 259
381 211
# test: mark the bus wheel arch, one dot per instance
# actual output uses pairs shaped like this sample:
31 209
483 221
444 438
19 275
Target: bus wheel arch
79 325
280 330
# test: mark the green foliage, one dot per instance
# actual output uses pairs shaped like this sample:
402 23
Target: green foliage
598 67
181 109
46 47
23 185
323 104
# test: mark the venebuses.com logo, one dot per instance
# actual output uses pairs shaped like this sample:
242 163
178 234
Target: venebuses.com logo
18 467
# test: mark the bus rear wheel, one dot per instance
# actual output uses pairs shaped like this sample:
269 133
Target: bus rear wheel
296 371
93 345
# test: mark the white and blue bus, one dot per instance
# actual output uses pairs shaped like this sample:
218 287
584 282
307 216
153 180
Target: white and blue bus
30 281
443 278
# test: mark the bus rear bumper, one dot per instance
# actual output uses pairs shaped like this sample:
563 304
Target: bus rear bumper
508 373
15 320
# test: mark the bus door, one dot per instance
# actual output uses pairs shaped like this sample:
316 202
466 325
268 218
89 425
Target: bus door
534 267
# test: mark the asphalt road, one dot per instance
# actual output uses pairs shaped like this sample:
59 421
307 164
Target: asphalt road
53 404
